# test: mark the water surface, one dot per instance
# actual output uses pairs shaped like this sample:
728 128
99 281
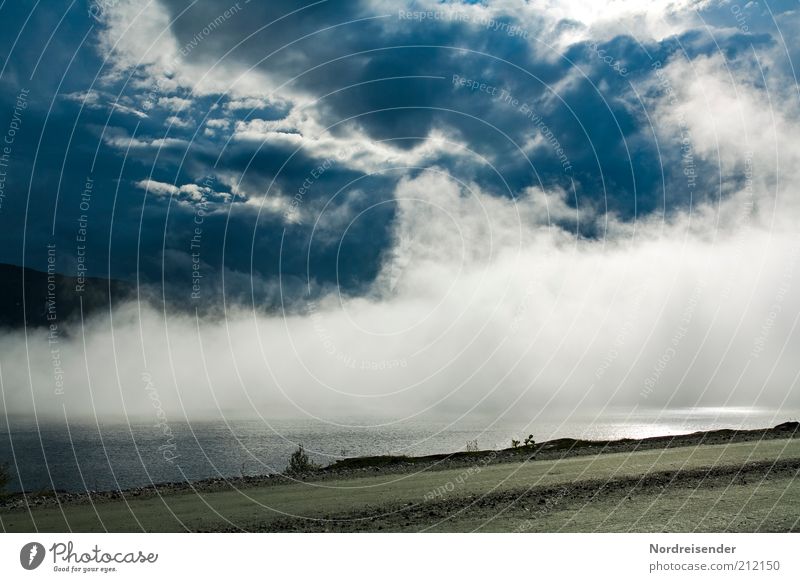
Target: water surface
99 456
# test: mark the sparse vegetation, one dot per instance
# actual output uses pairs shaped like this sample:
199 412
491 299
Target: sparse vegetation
472 446
300 464
528 442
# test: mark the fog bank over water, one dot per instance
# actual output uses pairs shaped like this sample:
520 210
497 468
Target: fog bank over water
481 309
660 271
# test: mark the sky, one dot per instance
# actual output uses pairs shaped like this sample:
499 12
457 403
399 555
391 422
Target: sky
395 209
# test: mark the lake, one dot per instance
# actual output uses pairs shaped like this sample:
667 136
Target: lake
77 456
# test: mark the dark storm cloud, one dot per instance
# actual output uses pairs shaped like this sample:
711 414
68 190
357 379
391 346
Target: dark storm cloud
387 78
329 47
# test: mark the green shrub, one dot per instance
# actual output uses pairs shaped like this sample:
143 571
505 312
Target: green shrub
300 464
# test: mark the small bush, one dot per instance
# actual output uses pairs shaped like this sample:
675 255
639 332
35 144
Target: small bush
514 443
529 442
300 464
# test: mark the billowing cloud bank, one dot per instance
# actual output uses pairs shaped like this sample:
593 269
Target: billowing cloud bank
604 213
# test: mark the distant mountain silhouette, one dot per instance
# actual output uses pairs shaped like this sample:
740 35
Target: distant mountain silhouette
38 289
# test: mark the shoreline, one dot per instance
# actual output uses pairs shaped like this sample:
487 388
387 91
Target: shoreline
380 465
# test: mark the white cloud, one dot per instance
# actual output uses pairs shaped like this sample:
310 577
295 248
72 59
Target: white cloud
138 34
301 131
191 192
94 99
175 103
218 123
179 122
254 103
738 128
480 305
481 301
119 140
89 98
543 22
158 188
138 37
125 109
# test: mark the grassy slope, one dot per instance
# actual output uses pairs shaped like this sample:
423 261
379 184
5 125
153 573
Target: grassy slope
776 499
757 507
